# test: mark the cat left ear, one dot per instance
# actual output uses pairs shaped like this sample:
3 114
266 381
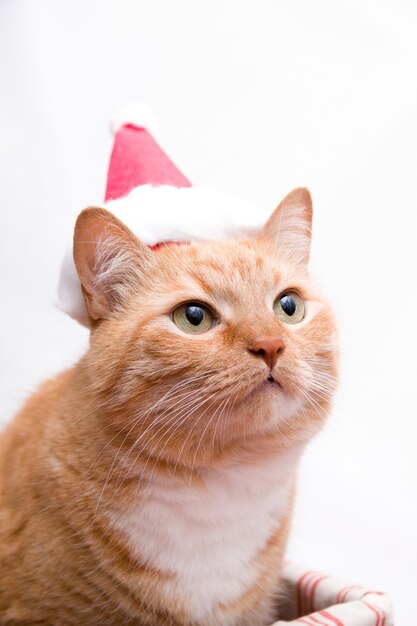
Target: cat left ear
109 259
289 227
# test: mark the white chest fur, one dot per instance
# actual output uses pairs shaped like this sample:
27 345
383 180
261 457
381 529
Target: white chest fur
210 535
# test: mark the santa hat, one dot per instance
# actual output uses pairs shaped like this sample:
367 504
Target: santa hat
136 158
147 192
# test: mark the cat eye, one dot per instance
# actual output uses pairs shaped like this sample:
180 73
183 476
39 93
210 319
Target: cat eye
193 318
289 307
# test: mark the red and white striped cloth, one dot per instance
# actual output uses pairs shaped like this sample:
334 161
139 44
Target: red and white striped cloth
314 599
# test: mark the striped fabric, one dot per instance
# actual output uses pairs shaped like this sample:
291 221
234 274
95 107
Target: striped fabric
317 600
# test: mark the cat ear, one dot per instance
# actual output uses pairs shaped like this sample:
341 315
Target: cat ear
107 256
289 227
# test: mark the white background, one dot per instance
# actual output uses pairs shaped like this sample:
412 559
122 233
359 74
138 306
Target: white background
254 98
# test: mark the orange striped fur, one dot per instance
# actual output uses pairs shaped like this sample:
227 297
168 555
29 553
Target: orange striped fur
152 483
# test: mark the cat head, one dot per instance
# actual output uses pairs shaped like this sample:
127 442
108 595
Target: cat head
198 349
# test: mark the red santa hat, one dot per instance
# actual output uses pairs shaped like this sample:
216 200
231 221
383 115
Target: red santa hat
136 158
147 192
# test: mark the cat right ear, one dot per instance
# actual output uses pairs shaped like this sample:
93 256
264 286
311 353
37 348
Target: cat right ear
107 256
288 230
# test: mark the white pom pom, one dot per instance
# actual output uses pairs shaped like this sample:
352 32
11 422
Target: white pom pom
136 114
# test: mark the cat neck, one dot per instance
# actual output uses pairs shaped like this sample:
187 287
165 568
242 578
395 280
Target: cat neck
213 536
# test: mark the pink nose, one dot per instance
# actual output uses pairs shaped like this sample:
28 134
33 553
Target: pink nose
268 349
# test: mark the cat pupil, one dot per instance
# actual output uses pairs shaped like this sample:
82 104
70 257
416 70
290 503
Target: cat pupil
288 305
194 315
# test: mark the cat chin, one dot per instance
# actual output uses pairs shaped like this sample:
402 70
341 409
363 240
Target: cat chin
284 411
269 406
265 389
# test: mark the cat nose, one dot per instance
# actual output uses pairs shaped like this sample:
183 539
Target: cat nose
268 348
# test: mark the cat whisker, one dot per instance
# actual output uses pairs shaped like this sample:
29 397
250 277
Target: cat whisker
216 426
175 416
190 433
136 419
203 433
178 425
175 392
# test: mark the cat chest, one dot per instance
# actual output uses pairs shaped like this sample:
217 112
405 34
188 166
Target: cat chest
209 539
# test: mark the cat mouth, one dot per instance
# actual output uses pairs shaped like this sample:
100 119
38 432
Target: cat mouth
270 383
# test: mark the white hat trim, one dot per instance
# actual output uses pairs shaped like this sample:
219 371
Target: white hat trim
165 213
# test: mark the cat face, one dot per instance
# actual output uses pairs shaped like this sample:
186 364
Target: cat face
200 348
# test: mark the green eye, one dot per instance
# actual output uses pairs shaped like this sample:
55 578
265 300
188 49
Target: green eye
193 318
289 308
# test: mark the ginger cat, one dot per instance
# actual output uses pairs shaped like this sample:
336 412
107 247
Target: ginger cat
152 483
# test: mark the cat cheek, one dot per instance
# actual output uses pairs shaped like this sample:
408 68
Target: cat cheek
227 336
